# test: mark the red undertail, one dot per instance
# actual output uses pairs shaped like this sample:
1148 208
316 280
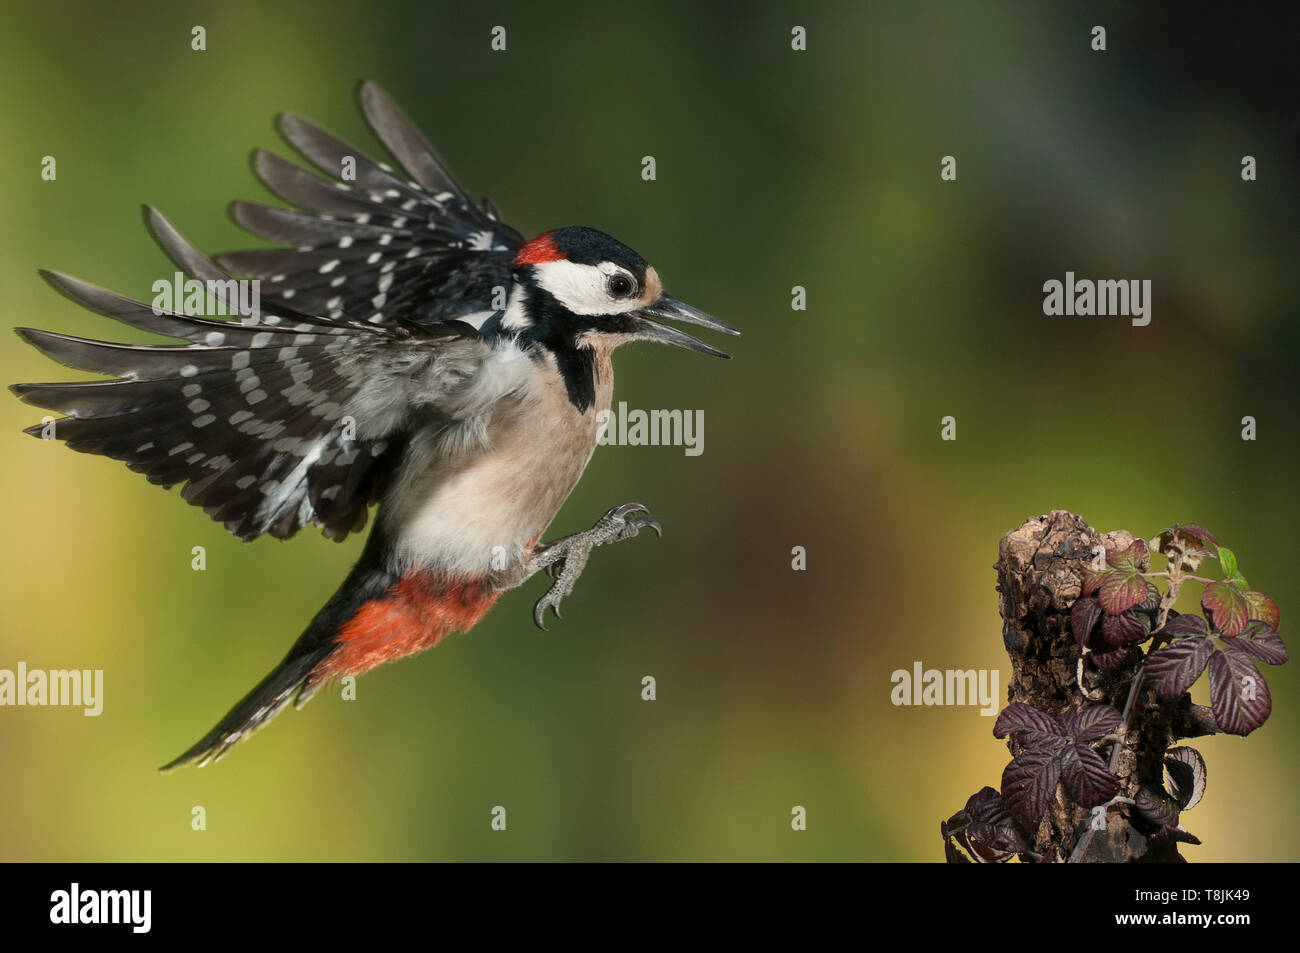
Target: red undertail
410 617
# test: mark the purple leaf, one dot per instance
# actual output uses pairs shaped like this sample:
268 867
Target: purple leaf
1186 774
1260 606
1112 660
951 854
1091 722
1157 806
1175 834
991 823
1083 616
1226 606
1238 693
1087 780
1184 625
1021 717
985 828
1124 629
1092 580
1195 541
1028 784
1134 558
1199 535
1260 641
1122 590
1173 669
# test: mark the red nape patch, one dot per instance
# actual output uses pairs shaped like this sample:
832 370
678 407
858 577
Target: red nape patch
540 249
412 616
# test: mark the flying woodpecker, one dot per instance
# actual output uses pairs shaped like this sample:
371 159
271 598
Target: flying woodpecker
409 349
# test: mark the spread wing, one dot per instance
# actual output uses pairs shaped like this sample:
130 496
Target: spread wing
270 426
371 244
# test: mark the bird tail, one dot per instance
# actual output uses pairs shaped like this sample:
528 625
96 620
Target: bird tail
375 617
306 668
291 680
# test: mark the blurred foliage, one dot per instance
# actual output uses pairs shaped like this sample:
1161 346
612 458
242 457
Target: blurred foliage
775 169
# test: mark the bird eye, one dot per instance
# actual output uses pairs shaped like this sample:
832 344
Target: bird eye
619 286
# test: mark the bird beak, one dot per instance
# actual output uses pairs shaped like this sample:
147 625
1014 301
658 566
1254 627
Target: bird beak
672 310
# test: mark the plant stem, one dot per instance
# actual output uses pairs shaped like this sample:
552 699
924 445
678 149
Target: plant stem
1185 577
1176 579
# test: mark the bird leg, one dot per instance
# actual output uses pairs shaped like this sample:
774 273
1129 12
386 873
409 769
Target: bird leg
563 559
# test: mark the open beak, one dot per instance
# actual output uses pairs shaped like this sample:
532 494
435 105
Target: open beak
672 310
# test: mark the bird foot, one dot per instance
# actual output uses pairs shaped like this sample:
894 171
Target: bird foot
564 559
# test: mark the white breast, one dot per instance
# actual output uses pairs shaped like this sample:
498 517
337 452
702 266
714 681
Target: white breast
481 509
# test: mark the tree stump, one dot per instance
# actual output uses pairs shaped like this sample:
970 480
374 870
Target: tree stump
1040 571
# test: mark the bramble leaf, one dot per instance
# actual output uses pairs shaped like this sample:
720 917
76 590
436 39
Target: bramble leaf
1156 806
1199 535
1120 591
1113 659
985 828
1262 642
1239 695
1125 629
1183 625
1134 558
1028 784
1260 606
1226 607
1092 580
1195 541
1152 602
1172 669
1228 562
1086 777
1090 722
1083 617
1185 776
1036 728
950 852
991 823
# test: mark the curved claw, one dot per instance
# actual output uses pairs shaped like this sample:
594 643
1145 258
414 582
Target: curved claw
647 522
623 510
539 610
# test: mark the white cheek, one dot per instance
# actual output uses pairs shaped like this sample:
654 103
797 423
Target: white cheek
580 288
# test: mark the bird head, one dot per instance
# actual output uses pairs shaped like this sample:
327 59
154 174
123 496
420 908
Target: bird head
580 288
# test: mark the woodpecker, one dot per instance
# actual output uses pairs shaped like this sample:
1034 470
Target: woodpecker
409 350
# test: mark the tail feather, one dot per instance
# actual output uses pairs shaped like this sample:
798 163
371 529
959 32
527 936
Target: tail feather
304 670
257 708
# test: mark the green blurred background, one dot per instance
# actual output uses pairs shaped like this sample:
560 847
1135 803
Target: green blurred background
775 169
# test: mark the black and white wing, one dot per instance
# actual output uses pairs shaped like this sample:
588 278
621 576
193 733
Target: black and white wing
292 420
371 244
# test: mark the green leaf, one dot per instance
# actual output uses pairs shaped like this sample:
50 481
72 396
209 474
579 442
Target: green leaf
1226 606
1228 560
